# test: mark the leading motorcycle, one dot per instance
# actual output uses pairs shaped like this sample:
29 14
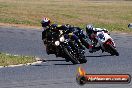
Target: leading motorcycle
70 50
57 44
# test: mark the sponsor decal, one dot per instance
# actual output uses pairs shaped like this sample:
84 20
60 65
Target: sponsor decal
84 78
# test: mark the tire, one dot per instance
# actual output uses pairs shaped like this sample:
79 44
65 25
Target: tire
67 60
71 57
113 51
82 59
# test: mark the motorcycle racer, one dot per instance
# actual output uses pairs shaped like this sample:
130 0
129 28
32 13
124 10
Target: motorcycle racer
69 33
91 33
48 28
83 38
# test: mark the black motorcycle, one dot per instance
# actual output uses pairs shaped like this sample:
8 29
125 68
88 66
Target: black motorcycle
69 50
57 44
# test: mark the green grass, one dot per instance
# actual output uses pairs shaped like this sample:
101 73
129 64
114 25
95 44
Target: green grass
113 15
6 60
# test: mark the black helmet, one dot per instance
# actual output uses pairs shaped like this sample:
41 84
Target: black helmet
45 22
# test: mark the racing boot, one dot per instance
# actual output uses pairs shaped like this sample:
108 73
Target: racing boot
90 48
93 49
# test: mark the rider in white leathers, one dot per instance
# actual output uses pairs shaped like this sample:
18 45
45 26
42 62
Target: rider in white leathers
91 33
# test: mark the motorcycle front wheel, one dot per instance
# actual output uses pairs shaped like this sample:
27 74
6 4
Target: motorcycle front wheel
70 56
112 50
82 59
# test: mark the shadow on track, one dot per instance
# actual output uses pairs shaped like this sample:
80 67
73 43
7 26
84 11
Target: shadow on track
40 65
55 60
63 64
99 56
59 60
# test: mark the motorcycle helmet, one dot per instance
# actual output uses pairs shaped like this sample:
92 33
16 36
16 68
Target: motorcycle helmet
89 28
45 22
54 26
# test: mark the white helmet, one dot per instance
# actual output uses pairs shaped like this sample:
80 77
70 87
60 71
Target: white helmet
45 22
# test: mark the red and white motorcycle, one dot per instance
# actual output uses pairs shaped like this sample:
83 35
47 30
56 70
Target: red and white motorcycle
106 43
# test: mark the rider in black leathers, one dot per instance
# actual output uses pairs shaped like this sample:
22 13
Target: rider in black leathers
71 32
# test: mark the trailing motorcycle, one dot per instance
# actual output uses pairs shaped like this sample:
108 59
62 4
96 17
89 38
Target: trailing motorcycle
105 43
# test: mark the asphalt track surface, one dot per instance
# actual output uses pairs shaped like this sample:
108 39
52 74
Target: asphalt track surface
56 72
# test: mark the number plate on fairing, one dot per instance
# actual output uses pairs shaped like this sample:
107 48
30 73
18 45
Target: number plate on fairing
101 36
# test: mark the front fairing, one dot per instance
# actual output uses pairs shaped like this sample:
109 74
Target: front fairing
103 38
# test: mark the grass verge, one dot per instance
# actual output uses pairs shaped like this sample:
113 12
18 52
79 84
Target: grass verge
7 59
113 15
